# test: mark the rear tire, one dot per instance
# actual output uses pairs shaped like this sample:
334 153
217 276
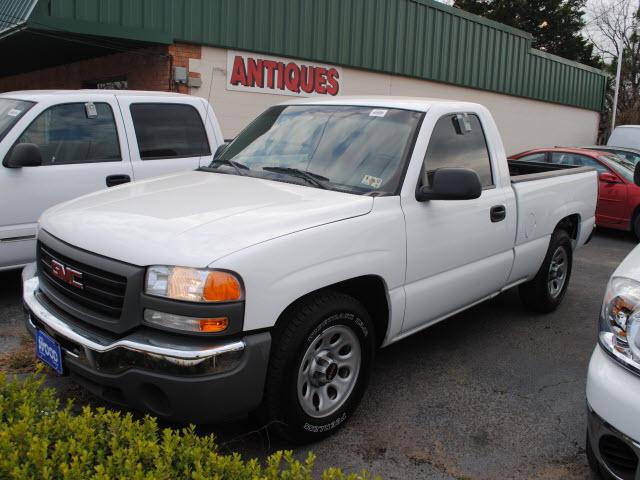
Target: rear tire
547 289
321 359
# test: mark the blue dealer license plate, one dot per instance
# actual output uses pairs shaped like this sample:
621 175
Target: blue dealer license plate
48 350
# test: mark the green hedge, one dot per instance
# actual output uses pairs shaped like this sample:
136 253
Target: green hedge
39 439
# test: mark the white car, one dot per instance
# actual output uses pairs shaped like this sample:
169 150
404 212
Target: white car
613 381
625 136
56 145
268 280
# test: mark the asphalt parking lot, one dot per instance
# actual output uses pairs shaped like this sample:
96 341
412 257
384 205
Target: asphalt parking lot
494 392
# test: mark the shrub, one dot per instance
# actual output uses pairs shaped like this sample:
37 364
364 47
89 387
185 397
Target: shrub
40 439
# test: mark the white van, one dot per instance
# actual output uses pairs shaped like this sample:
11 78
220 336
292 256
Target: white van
58 145
625 136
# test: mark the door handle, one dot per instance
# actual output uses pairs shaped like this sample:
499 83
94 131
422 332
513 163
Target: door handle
113 180
498 213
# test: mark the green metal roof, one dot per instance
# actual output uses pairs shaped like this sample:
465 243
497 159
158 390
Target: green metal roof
13 13
415 38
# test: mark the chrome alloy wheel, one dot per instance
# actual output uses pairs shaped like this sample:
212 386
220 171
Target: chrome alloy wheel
329 371
558 271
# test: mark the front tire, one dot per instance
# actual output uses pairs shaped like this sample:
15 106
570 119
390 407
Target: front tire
547 289
321 359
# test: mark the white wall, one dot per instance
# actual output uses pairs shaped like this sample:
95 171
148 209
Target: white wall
523 123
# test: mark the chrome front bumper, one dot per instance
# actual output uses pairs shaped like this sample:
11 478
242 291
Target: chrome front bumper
180 378
151 350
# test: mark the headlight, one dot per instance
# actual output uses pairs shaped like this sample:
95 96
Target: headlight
192 284
620 322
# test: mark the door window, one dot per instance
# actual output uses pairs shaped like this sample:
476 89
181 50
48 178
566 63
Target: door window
169 131
534 157
458 141
75 133
562 158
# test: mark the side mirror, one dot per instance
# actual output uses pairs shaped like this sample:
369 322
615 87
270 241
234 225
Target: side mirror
636 174
220 150
23 155
607 177
451 184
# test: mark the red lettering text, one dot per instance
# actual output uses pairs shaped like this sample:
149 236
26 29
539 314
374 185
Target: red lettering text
238 74
255 73
306 78
281 75
332 79
321 80
292 77
286 76
270 65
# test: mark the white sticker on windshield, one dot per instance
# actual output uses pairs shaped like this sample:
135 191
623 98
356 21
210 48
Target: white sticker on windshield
378 113
14 112
371 181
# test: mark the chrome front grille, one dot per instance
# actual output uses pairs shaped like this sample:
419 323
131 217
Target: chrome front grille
99 291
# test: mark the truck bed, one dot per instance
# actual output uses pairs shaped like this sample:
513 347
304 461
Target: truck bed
545 194
529 171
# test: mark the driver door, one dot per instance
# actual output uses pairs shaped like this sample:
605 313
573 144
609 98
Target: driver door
458 251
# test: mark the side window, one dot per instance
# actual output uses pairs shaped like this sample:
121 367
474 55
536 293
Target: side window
534 157
458 141
590 162
169 131
72 133
562 158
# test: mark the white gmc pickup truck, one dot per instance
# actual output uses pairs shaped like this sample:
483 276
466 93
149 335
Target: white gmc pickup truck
266 281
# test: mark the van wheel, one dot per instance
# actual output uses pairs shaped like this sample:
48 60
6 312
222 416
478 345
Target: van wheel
547 289
321 360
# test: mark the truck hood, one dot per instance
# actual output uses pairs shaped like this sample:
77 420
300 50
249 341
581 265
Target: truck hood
194 218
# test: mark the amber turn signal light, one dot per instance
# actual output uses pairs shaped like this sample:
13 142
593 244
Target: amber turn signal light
221 287
213 325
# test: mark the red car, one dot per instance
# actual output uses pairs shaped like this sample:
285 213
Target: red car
618 197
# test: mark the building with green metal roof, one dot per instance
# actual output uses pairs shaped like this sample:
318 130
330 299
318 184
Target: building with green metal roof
245 55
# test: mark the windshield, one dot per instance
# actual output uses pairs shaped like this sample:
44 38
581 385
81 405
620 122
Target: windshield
355 149
622 167
10 112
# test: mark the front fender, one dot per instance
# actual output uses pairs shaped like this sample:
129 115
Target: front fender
278 272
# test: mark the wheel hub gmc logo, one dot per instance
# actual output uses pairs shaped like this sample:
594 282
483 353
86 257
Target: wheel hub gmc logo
66 274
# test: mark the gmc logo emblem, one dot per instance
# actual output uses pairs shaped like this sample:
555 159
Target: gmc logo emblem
66 274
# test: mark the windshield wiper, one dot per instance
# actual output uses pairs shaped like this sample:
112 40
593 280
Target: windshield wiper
236 165
310 177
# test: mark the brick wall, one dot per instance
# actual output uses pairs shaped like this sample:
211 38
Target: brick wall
180 54
144 69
